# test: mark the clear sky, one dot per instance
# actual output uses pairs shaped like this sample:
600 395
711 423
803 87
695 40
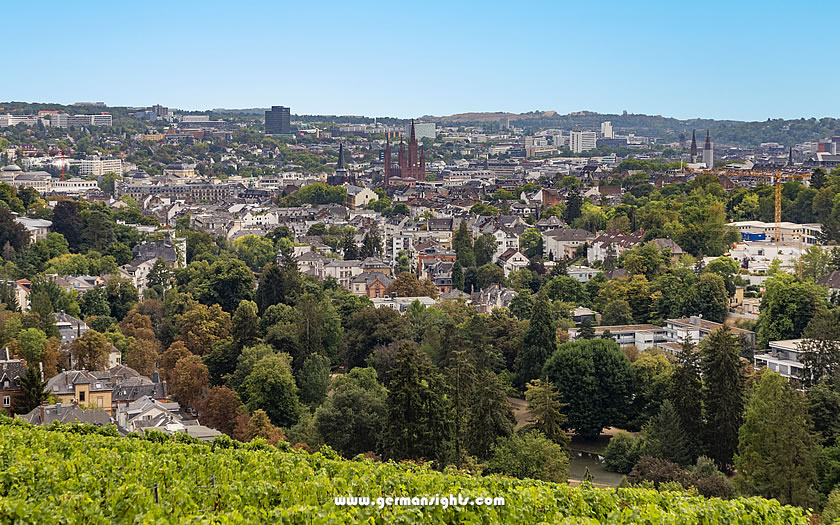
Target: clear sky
712 59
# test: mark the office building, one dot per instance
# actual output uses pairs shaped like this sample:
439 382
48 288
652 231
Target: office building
423 130
580 141
606 130
278 121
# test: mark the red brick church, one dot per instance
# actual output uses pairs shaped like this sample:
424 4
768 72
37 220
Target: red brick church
411 166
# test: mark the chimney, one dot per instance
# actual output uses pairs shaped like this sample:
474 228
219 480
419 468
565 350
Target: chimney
42 414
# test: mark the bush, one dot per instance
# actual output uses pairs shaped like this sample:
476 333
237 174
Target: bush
529 455
657 471
622 453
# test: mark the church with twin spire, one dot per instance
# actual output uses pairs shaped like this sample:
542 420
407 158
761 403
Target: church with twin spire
411 164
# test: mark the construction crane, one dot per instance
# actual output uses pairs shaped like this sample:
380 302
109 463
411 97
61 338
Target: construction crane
778 178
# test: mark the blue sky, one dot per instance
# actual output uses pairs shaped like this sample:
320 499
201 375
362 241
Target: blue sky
737 59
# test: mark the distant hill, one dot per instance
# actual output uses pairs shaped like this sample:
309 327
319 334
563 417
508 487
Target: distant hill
724 132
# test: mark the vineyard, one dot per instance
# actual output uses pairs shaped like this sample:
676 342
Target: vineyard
77 475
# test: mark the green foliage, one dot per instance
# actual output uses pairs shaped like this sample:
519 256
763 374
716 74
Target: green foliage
622 453
314 379
787 307
350 420
723 395
255 483
663 436
540 341
320 193
595 380
271 387
529 455
776 456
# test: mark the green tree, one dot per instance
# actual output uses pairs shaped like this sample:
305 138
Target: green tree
484 248
488 275
617 313
67 220
622 452
686 394
245 324
271 387
787 307
280 283
314 379
663 436
595 380
11 233
824 410
488 415
708 298
776 456
463 245
121 295
419 412
352 419
32 344
723 395
529 455
371 243
369 328
547 410
531 242
540 341
573 206
90 351
820 347
458 276
33 391
318 329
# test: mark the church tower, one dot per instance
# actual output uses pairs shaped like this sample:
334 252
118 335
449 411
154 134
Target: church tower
708 152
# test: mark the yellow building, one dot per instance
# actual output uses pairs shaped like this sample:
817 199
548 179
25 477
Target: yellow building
83 388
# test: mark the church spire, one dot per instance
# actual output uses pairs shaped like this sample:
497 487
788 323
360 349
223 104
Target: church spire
412 139
790 156
708 144
693 145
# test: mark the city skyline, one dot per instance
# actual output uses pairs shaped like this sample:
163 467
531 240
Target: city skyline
710 60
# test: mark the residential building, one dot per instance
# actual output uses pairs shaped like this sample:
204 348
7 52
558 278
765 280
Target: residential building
401 304
582 274
492 297
11 370
370 284
60 412
783 357
512 260
278 121
564 242
82 387
642 336
612 244
37 228
697 328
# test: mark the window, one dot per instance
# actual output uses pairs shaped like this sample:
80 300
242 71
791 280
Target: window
99 402
7 401
81 397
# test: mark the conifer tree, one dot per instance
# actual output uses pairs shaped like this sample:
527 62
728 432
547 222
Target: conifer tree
458 276
663 436
776 454
547 410
463 246
540 340
686 394
723 395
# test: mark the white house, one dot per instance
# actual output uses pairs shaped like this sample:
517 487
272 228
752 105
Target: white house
512 260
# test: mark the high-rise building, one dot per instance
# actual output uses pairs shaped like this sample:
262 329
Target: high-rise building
424 130
580 141
708 152
278 121
606 130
